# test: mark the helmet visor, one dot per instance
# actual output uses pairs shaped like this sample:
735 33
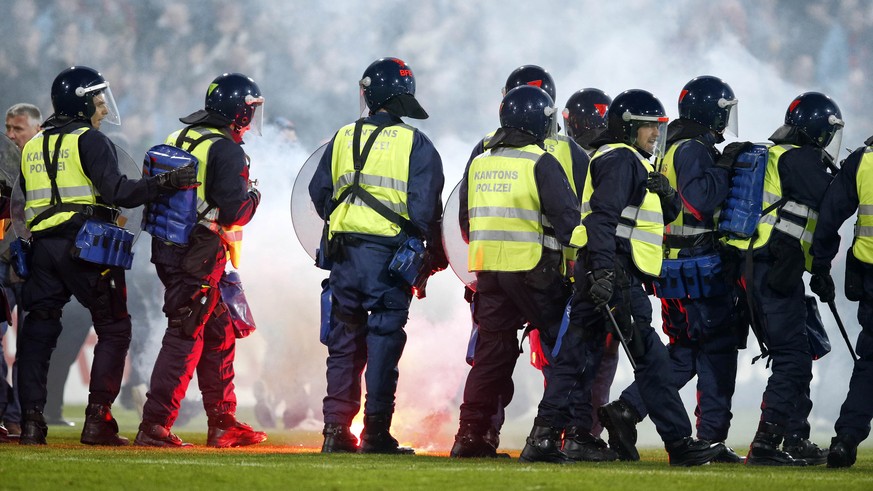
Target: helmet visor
650 134
833 148
257 106
731 126
552 130
105 108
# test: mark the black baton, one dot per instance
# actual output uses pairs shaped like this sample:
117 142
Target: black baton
620 337
833 305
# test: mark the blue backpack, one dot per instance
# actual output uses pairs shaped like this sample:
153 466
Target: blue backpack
170 217
742 207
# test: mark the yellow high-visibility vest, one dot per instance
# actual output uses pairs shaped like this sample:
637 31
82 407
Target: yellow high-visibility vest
506 220
385 175
646 235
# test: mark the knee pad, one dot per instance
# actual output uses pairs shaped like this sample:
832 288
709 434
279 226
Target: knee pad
387 321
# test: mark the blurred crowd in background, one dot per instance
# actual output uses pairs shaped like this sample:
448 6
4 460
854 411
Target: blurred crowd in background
156 52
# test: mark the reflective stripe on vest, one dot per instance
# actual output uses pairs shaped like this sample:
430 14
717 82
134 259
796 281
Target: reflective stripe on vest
804 218
862 248
677 227
506 225
74 186
558 147
232 235
385 175
646 234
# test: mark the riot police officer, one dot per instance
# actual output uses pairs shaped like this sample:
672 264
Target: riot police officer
70 177
794 184
507 194
574 162
624 206
377 186
850 191
700 323
200 334
584 118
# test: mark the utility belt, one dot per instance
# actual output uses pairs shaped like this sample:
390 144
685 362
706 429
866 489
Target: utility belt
689 241
691 278
100 242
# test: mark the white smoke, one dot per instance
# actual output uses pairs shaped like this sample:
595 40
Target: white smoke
461 53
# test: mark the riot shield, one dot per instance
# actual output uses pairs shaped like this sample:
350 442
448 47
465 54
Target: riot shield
130 218
307 224
453 243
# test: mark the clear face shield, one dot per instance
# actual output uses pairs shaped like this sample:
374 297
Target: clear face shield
257 105
365 109
731 126
105 108
833 147
649 133
552 131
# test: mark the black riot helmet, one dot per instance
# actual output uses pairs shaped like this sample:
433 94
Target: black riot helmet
530 75
529 109
389 83
710 102
585 115
237 98
818 118
635 109
78 91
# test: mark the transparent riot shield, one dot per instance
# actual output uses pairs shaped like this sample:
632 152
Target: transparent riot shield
453 243
307 224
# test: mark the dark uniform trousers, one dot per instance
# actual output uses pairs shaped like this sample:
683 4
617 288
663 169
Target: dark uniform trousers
209 349
786 398
653 376
506 301
703 344
55 276
857 410
369 309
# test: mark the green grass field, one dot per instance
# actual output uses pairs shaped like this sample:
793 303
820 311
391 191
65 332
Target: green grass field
290 460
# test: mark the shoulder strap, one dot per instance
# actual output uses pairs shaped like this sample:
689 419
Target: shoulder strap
355 189
192 144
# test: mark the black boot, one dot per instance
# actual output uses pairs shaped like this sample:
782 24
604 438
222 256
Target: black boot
728 456
100 427
765 448
802 449
543 445
155 435
843 452
33 428
582 445
338 439
689 452
376 437
225 431
620 420
472 442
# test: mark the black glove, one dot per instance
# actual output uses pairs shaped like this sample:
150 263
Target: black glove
181 178
255 195
729 155
438 259
601 286
822 284
5 189
660 185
